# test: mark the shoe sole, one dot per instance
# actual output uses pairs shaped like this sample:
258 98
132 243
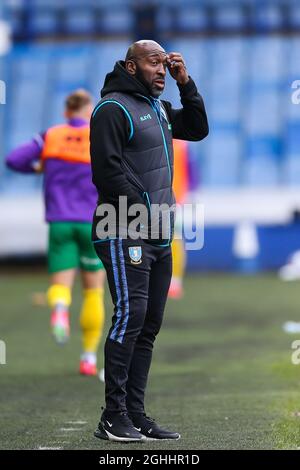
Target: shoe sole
162 438
86 373
107 436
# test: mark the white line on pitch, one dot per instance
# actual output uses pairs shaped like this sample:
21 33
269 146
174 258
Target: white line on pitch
76 422
49 448
70 429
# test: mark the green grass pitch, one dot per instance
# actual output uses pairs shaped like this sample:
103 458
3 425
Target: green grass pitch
221 375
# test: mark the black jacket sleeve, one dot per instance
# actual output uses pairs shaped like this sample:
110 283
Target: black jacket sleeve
109 134
189 122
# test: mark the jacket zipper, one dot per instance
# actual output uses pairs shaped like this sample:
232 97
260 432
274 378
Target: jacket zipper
167 158
163 136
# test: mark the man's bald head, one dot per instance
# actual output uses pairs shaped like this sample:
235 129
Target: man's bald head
143 47
146 60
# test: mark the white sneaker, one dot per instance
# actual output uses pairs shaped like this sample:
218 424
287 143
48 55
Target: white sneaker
291 327
101 375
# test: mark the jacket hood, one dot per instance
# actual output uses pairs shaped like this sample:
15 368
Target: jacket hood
121 81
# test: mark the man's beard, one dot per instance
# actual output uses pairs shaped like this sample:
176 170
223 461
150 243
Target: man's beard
140 77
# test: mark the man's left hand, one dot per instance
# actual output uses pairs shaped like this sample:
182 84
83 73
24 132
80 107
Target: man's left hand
176 67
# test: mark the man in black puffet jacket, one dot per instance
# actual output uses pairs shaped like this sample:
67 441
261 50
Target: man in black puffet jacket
132 158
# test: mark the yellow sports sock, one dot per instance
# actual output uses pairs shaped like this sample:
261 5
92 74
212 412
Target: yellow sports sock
92 319
178 255
59 294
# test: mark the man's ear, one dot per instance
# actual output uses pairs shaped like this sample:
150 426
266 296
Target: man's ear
130 66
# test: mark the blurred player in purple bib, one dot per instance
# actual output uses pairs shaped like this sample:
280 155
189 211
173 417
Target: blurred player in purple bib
62 154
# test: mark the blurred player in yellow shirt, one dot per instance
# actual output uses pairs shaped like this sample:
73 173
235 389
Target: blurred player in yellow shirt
180 187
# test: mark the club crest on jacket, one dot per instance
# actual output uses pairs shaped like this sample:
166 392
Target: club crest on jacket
135 253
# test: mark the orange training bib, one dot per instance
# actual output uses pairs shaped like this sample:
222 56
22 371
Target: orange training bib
67 143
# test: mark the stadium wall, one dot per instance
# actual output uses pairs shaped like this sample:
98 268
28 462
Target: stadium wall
245 230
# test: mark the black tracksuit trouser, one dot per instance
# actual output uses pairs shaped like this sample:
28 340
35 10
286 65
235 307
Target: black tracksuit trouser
139 276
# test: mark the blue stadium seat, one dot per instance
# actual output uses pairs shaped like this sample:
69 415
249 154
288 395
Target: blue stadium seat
102 59
115 21
30 68
114 3
222 158
222 165
14 18
25 112
291 169
265 56
44 4
267 17
263 114
191 19
263 86
226 83
294 16
261 172
293 137
43 22
294 58
71 64
262 163
80 21
229 17
71 72
262 119
69 5
165 20
291 166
